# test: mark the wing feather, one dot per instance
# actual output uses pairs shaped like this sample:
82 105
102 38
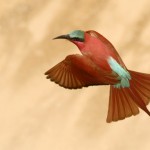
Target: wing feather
76 71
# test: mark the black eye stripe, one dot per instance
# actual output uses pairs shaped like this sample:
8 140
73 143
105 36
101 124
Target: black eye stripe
78 39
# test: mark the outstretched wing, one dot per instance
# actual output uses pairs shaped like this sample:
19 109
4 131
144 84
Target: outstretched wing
76 71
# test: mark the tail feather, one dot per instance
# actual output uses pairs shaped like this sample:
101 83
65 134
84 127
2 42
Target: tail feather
130 107
121 109
143 92
121 105
124 102
143 82
115 106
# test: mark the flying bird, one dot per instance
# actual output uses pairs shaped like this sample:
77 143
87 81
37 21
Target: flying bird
100 64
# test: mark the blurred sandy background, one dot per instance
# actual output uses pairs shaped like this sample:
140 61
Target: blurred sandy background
36 114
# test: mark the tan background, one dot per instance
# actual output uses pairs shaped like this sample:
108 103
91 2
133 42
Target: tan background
36 114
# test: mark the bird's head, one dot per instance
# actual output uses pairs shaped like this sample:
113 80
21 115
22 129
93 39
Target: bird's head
87 39
76 36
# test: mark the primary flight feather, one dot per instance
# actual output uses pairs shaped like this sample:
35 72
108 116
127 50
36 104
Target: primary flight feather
100 64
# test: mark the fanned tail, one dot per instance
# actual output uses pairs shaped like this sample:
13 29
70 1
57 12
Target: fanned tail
125 102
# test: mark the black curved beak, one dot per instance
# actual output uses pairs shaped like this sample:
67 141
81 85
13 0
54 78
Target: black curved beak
62 37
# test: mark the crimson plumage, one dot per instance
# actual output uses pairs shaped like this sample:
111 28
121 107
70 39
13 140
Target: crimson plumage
100 64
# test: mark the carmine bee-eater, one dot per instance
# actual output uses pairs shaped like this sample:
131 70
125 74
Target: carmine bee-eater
100 64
